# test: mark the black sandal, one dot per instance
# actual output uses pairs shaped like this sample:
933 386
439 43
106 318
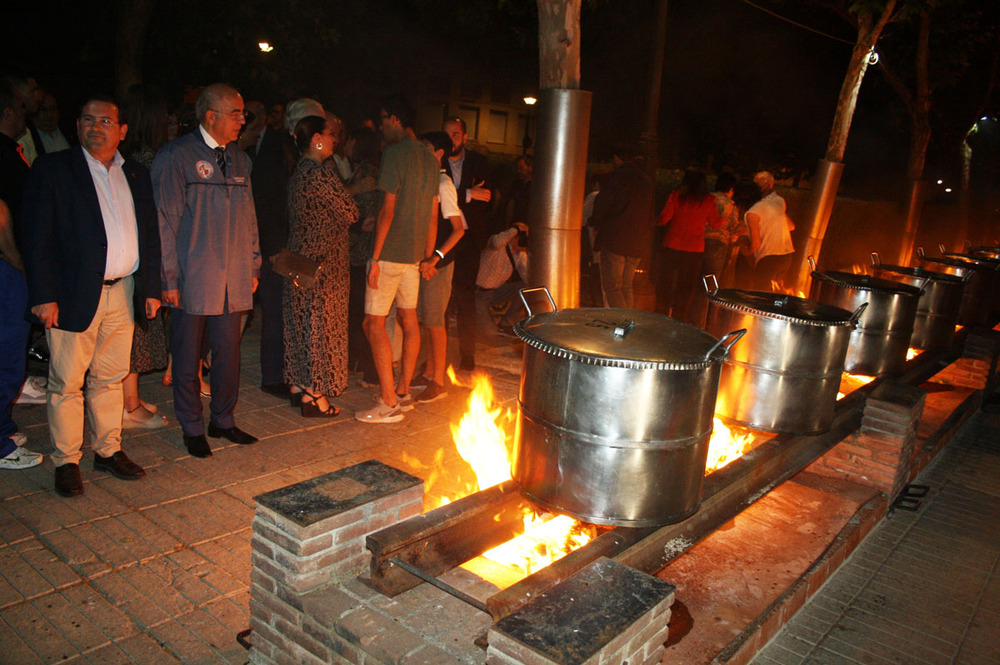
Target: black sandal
295 398
309 409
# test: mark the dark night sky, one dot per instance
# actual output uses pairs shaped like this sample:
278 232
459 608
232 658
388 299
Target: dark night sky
740 87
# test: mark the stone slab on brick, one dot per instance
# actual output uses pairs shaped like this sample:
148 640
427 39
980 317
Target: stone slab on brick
577 618
319 498
896 397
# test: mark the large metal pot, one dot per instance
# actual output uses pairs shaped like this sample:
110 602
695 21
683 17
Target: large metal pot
978 292
785 375
937 310
879 343
615 413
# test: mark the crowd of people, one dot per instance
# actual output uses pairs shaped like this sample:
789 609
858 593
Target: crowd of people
142 245
144 242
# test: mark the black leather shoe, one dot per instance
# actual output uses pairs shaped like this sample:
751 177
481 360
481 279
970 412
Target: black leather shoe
234 434
68 480
197 446
119 465
276 389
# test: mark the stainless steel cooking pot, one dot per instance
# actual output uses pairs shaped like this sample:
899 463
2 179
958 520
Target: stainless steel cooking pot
937 310
879 343
615 413
978 292
785 375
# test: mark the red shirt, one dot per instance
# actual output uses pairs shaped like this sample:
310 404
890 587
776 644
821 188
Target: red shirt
686 221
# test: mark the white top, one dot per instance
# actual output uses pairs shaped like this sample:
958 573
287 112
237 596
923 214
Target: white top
448 196
775 238
54 141
118 211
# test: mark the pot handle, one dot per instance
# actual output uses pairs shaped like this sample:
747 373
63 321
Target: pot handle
714 287
858 312
920 252
923 284
812 262
876 260
533 289
942 248
734 336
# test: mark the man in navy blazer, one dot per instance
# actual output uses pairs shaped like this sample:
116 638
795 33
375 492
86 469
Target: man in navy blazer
91 248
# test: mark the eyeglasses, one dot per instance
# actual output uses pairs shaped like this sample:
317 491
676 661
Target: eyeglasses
235 114
105 122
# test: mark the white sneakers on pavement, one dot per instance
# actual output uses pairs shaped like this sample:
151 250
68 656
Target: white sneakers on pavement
21 458
380 413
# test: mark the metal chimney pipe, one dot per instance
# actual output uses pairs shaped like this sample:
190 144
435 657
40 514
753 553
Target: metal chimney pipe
557 191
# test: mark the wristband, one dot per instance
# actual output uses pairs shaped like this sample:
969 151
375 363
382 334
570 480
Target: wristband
439 253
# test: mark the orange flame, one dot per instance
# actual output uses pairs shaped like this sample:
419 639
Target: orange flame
912 353
481 438
726 445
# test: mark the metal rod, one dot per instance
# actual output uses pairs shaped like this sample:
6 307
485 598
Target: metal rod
444 586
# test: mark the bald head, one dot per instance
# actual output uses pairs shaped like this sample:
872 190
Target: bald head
212 97
301 108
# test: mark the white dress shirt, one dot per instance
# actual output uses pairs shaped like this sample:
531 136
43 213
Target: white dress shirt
118 211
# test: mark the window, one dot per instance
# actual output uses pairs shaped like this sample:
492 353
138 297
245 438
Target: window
470 114
496 132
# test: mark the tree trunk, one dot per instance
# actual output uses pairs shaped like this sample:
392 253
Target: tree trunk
868 33
559 44
920 138
133 20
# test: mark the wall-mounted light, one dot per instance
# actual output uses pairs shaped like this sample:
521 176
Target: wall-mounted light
940 182
530 101
265 47
947 190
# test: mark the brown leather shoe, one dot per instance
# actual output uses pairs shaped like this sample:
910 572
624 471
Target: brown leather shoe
119 465
68 480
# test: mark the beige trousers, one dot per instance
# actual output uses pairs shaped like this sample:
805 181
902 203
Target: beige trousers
100 356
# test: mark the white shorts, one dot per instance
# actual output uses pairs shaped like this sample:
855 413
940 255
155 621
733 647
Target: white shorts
399 282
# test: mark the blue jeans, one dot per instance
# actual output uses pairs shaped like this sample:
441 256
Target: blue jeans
14 331
617 275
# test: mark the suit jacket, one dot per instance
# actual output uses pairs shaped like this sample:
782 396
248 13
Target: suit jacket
272 167
475 169
64 244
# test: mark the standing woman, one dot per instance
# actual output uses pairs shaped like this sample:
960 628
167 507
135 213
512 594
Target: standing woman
689 209
319 214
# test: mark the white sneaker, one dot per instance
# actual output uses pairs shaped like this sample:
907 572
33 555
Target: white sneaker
33 391
380 413
405 402
19 438
21 458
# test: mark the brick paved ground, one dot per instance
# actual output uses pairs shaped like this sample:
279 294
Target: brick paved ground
158 571
924 587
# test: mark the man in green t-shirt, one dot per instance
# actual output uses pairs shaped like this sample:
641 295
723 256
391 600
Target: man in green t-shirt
405 231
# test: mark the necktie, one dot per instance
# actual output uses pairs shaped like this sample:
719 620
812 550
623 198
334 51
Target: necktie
20 151
220 158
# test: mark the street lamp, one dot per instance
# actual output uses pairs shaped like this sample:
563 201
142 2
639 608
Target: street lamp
265 47
529 100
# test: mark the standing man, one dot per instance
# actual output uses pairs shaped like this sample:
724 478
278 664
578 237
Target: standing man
623 218
211 260
92 257
469 170
770 236
403 238
13 289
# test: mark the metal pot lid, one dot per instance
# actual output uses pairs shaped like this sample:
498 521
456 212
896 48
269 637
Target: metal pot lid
982 261
955 262
625 338
849 280
921 272
783 307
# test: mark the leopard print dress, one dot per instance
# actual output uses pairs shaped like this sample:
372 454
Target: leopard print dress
320 212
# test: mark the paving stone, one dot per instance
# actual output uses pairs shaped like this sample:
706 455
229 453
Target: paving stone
139 607
46 563
31 626
21 575
145 649
12 529
109 619
180 642
71 622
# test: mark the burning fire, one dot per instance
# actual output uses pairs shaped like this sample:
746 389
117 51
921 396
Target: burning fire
726 445
779 287
481 438
912 353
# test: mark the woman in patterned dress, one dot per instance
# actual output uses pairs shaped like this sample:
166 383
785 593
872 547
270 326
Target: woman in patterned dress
320 212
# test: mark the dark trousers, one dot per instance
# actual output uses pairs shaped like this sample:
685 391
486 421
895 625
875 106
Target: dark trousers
359 352
187 331
769 275
272 327
13 348
463 294
679 277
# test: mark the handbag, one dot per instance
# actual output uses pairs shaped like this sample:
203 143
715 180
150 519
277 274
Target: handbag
301 270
